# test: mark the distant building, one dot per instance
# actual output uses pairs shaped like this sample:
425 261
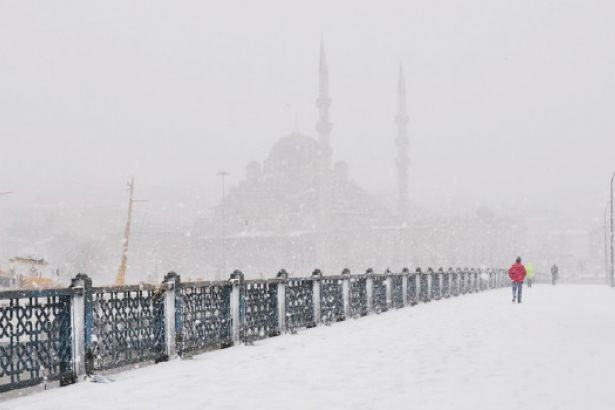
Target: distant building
28 273
297 210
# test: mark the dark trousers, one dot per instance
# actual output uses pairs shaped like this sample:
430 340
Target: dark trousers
517 289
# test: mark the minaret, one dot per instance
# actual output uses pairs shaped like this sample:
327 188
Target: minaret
323 128
323 103
402 160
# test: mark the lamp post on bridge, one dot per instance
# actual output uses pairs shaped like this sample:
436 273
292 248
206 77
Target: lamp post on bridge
606 242
223 175
612 265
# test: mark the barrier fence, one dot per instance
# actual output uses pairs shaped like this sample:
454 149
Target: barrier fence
62 334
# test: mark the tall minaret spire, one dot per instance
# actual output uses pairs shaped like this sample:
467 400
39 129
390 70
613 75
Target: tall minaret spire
402 160
323 128
323 103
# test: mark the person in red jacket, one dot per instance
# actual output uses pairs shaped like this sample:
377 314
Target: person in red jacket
517 274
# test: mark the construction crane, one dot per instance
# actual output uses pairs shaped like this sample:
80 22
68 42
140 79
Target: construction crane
120 278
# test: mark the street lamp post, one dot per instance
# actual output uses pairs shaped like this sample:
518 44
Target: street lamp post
612 265
223 175
606 241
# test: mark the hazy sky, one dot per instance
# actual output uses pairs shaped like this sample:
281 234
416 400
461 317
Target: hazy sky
510 102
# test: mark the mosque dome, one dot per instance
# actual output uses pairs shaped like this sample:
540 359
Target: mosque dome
294 160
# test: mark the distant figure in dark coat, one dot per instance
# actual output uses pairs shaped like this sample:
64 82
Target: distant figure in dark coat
517 274
554 274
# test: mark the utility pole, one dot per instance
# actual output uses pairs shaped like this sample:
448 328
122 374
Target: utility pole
120 279
223 175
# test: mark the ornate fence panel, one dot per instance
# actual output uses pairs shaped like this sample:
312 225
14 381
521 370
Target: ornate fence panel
397 292
413 298
379 293
128 326
492 279
469 281
483 283
446 283
205 312
502 278
331 299
299 303
455 283
260 309
358 296
479 280
463 282
35 337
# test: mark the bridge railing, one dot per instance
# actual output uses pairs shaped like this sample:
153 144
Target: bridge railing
62 334
203 316
127 326
35 337
333 293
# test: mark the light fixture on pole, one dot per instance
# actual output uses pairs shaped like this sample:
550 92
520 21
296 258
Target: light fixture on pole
5 193
223 175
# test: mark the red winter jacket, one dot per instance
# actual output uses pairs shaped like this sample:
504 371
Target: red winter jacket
517 272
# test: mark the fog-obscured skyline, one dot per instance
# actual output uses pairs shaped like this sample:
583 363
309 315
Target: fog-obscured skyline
510 103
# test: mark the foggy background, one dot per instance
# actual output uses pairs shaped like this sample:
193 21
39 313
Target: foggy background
510 108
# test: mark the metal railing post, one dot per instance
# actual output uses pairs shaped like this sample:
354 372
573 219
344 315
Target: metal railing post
369 288
449 282
388 283
429 278
170 330
173 326
439 276
346 292
404 285
283 277
420 297
236 306
413 287
316 276
80 329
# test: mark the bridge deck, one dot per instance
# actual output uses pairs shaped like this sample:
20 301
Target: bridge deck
555 350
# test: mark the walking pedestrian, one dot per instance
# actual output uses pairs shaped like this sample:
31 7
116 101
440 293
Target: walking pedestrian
517 274
554 274
530 274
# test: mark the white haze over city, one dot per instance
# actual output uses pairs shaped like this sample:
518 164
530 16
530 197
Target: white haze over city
510 107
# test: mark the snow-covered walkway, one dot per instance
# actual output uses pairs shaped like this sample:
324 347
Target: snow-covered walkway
556 350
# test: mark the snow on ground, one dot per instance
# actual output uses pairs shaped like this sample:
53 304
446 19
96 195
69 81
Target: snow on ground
553 351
